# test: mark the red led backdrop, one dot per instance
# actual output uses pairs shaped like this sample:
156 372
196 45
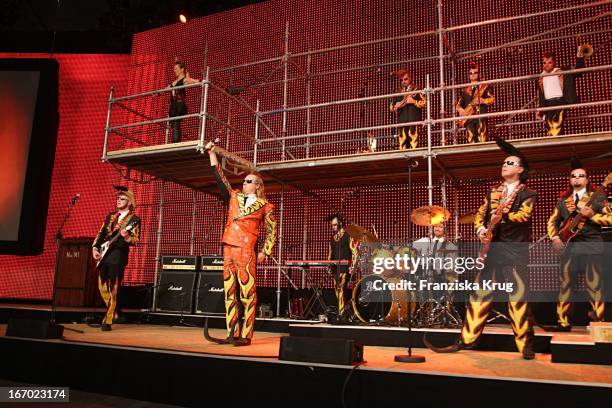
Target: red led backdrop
257 32
84 84
239 37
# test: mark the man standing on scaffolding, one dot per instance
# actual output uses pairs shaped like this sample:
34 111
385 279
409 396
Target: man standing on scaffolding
556 90
474 100
408 108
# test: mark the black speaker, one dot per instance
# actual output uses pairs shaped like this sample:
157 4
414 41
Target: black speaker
210 298
175 292
316 350
34 328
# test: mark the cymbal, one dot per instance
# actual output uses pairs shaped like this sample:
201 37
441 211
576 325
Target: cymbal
429 215
359 233
467 218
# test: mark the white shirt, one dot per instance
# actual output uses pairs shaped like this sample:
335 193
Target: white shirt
552 85
122 214
511 187
580 193
250 199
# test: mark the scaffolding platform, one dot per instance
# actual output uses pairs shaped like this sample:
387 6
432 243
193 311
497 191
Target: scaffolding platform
184 165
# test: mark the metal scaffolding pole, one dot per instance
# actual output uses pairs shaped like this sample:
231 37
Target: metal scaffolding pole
441 61
203 108
256 145
429 122
108 118
281 219
308 100
193 221
160 218
285 88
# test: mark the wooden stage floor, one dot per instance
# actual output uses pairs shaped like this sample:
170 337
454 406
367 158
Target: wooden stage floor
478 364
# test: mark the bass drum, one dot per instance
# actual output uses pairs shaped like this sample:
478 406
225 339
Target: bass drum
371 300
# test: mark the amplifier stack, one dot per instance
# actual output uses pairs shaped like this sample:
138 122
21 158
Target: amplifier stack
189 283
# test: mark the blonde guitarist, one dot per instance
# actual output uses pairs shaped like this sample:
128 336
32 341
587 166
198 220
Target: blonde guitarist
475 100
120 229
408 109
574 228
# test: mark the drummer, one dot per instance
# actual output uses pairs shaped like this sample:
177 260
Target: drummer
438 247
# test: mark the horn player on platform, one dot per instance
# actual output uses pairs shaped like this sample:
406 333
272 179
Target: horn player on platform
504 221
247 209
584 252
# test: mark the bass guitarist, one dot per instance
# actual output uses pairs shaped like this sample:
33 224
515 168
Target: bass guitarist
581 244
121 229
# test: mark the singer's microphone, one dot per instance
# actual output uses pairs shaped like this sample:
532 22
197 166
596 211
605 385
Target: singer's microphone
75 198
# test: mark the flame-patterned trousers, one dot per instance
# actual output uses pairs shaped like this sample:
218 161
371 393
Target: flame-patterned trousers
239 266
481 300
570 267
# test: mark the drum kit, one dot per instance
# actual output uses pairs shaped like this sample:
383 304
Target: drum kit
384 298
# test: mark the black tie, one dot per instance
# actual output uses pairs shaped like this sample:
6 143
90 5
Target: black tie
435 246
576 199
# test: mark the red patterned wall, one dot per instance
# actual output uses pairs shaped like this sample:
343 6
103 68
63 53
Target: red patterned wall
84 84
257 33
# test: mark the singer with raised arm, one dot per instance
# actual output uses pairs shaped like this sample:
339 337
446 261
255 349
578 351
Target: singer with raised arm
111 248
247 209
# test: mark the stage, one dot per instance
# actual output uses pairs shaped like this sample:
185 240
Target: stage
175 364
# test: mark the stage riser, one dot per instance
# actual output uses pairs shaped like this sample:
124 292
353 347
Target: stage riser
581 353
399 338
193 380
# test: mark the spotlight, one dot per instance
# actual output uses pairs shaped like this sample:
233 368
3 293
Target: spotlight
182 18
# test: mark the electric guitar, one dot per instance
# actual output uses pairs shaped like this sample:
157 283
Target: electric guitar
109 244
472 107
576 222
495 220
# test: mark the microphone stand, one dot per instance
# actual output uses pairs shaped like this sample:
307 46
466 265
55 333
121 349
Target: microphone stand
58 238
410 358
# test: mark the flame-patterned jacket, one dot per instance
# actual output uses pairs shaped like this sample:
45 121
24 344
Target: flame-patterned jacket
242 226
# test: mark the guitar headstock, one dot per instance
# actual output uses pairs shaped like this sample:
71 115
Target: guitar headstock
608 180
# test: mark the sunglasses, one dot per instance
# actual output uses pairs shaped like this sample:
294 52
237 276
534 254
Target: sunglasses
578 175
511 163
474 73
249 181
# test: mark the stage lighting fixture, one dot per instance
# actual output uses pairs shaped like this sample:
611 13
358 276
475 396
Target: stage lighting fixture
182 18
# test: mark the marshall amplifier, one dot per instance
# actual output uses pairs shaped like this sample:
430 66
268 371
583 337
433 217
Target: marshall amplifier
210 298
175 293
211 263
180 263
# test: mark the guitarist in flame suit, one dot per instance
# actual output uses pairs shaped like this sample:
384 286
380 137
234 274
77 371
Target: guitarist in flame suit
475 100
585 250
408 109
123 225
504 222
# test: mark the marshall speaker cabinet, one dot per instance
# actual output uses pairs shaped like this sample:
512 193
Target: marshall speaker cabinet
209 294
177 284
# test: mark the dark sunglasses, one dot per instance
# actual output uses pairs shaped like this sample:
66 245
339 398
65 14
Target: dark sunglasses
578 175
249 181
511 163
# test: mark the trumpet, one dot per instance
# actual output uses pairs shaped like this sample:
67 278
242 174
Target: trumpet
586 50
